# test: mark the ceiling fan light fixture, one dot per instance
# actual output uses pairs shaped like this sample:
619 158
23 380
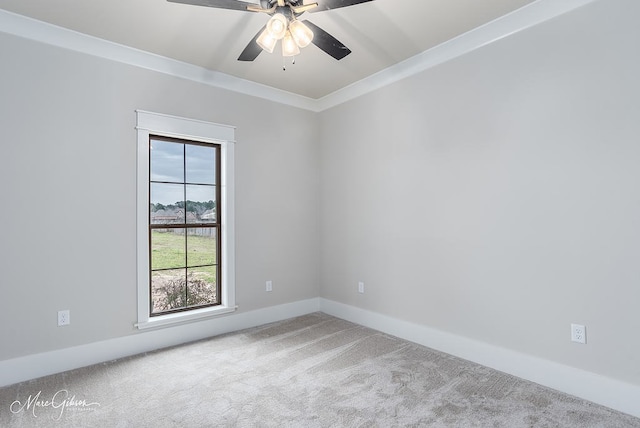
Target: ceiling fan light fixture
277 26
300 33
266 41
282 20
289 46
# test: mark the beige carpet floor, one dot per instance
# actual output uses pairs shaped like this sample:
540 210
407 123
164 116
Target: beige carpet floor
311 371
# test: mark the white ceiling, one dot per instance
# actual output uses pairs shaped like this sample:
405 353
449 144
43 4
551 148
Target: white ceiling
380 34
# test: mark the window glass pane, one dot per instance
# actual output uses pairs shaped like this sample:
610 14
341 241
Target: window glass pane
167 161
200 203
167 203
168 290
201 164
183 225
201 246
202 288
167 249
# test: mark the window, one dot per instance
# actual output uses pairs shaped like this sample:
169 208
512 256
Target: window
183 225
185 220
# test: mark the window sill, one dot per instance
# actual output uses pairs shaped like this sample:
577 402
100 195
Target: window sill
184 317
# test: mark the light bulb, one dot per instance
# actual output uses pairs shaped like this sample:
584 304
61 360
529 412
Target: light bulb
301 33
277 26
289 46
266 41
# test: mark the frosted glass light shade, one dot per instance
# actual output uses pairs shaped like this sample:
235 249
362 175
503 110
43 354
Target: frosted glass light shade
277 26
289 46
301 33
266 41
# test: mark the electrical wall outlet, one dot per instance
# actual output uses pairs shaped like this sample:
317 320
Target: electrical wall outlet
269 286
64 318
360 287
578 333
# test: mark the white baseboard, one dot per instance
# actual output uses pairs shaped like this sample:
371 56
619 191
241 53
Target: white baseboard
589 386
599 389
37 365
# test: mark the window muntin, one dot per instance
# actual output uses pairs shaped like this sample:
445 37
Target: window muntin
184 226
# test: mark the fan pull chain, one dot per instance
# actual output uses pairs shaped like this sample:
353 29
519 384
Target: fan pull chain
284 62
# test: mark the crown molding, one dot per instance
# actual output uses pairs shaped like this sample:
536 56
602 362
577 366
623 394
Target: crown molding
514 22
521 19
32 29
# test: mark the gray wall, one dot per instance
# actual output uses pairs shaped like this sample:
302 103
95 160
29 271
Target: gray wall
496 196
68 193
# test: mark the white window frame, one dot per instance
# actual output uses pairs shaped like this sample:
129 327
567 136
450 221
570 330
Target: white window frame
163 125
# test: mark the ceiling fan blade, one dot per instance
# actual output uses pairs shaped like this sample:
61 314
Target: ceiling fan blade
256 8
335 4
220 4
327 42
253 49
303 8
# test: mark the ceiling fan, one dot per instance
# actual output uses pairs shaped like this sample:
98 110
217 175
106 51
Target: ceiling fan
285 26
